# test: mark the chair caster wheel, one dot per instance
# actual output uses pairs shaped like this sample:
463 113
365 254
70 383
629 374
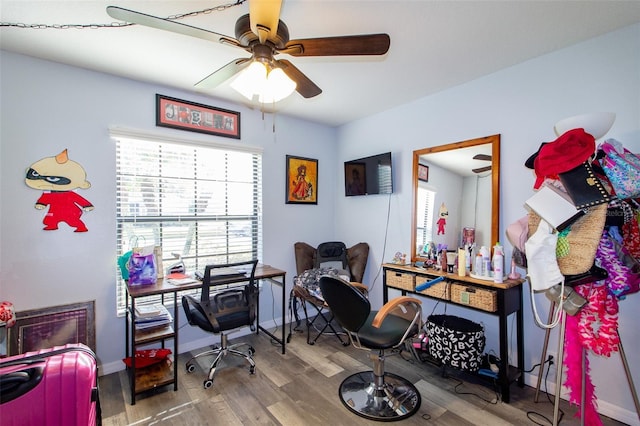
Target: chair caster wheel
207 383
345 343
311 343
251 351
191 368
252 369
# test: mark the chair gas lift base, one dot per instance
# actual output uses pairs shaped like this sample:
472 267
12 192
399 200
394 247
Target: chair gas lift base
220 353
380 396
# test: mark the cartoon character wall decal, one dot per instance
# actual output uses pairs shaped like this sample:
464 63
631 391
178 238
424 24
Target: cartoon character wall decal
57 177
442 219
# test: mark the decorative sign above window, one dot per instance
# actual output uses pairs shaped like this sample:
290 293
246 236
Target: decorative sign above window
183 115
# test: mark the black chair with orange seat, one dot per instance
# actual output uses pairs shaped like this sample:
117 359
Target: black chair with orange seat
375 395
230 306
330 257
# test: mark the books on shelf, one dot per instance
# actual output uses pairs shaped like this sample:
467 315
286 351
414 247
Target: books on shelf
143 311
151 316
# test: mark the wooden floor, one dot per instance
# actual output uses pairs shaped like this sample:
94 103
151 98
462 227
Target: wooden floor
301 388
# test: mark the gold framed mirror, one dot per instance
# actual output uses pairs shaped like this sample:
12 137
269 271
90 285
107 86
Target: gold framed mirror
456 187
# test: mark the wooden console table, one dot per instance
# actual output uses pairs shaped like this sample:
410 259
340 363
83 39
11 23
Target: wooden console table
507 296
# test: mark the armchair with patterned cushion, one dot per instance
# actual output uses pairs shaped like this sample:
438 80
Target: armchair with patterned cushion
329 258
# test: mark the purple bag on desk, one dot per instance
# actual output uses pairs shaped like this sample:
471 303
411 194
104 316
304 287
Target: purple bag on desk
142 266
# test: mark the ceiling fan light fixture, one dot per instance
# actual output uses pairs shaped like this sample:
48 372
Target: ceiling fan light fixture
269 86
250 81
277 87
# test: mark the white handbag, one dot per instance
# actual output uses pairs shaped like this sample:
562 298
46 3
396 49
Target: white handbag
543 271
554 206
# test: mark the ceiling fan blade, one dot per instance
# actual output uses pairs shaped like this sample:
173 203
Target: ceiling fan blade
483 157
264 16
481 169
304 85
223 74
132 16
365 44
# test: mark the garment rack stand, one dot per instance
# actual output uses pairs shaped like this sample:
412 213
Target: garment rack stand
545 346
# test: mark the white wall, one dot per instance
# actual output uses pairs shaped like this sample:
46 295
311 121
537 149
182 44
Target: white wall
522 103
47 107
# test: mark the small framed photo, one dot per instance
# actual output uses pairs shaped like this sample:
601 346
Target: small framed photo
302 180
194 117
423 173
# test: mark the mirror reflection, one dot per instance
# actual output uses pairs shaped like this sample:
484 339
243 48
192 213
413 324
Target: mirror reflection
456 196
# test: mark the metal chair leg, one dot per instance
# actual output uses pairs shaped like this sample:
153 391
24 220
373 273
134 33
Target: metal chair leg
545 347
556 405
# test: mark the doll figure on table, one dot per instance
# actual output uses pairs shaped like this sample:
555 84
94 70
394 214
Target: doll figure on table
442 219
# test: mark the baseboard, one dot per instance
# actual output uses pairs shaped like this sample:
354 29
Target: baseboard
605 408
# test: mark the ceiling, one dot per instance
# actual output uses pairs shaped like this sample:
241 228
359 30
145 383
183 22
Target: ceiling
435 45
461 160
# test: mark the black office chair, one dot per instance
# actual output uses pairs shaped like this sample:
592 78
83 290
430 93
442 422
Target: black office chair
375 395
225 310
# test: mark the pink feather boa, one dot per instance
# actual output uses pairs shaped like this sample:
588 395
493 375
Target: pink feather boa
594 328
573 367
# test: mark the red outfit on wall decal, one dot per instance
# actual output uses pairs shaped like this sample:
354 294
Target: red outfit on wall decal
65 207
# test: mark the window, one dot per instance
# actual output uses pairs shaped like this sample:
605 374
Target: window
425 211
384 179
201 203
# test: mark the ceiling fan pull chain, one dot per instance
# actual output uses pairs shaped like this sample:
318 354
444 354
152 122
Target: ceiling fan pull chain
207 11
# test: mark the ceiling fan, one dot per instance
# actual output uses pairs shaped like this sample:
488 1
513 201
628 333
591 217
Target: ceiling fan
264 35
482 157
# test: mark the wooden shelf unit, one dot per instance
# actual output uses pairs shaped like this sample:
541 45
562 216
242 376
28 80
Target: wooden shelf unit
157 375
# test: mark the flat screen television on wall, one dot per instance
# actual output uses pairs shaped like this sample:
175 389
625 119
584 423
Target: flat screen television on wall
368 175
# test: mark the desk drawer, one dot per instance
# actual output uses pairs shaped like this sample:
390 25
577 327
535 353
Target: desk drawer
401 280
478 297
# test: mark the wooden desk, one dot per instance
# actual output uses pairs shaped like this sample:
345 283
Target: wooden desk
161 288
508 301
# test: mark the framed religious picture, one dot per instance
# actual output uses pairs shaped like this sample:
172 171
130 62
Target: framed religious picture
184 115
302 180
423 172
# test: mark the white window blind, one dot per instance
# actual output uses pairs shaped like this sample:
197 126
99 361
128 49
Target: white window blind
425 219
384 179
202 203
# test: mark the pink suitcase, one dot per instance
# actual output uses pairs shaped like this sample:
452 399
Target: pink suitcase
51 387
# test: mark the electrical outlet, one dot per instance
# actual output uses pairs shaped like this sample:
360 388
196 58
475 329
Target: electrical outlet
552 368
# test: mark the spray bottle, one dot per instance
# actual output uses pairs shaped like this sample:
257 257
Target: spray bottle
486 262
477 267
498 263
